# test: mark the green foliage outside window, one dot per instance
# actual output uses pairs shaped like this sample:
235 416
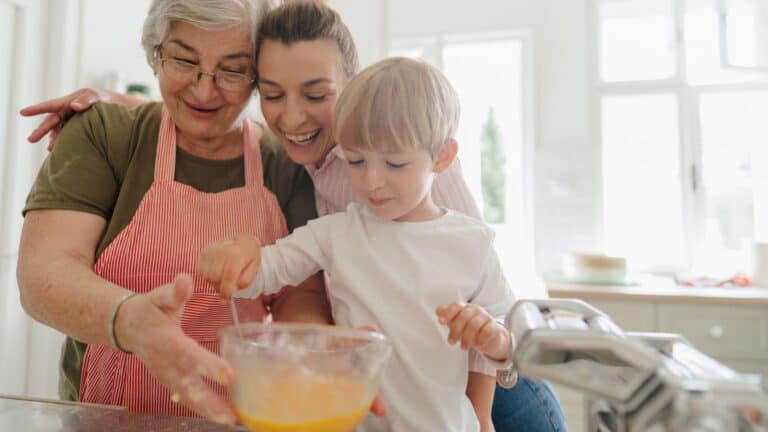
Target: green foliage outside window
492 167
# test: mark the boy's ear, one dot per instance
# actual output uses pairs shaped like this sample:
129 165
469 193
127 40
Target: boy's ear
445 156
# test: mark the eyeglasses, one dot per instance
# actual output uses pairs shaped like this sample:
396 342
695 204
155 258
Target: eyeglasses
183 71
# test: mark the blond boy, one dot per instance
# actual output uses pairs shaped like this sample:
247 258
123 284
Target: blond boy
420 273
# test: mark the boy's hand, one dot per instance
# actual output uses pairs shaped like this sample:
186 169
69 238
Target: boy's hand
475 328
230 265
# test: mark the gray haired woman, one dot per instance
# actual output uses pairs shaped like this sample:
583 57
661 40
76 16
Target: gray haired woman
128 198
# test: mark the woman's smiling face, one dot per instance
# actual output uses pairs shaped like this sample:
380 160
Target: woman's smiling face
298 88
201 109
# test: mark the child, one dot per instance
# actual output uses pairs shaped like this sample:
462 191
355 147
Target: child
396 260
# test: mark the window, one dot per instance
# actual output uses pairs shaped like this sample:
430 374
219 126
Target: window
489 74
682 136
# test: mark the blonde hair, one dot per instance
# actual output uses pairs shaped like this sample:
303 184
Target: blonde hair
397 104
203 14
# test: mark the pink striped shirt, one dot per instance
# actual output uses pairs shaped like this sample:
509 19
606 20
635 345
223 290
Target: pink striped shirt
333 192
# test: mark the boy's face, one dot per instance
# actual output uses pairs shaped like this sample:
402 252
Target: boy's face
394 185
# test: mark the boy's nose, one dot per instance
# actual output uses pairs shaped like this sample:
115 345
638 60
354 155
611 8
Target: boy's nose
373 178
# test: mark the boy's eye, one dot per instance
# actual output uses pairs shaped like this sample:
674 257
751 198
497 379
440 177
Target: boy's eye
397 165
354 161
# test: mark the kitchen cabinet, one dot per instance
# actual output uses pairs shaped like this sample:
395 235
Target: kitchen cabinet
728 324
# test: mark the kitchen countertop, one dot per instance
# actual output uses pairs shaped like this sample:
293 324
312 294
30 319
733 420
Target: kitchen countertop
26 414
649 288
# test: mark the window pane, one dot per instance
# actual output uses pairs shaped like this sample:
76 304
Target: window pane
702 45
641 180
734 136
488 76
746 27
636 40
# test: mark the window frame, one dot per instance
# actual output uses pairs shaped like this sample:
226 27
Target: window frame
689 105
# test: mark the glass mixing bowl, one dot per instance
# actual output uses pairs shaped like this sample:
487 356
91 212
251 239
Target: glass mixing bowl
303 378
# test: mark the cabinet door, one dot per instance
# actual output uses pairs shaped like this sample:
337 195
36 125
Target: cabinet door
725 332
630 316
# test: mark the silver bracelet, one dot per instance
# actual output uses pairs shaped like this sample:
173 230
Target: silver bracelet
113 316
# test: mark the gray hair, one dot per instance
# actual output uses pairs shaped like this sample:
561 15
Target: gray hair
203 14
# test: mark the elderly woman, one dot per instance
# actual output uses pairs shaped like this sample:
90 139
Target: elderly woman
129 197
305 57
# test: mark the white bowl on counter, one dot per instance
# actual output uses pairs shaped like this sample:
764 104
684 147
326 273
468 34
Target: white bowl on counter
594 268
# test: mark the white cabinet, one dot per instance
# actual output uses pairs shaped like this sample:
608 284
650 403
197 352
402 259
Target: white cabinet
730 328
724 332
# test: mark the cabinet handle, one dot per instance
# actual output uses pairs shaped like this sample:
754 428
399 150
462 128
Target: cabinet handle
716 332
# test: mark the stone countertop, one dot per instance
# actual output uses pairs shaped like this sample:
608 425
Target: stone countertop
29 414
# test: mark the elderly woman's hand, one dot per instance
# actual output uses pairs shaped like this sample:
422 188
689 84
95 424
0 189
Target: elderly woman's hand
149 326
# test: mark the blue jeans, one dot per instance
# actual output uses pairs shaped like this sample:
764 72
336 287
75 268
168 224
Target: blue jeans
530 406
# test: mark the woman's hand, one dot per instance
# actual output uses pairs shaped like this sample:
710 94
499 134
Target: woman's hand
149 326
61 109
475 328
230 265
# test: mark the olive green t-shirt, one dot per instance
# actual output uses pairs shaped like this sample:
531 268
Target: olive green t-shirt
103 164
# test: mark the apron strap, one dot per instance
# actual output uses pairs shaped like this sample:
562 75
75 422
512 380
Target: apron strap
254 174
165 159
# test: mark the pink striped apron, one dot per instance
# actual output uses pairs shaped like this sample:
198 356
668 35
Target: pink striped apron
169 229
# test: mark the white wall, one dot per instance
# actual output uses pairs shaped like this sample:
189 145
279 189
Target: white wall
111 43
41 68
367 21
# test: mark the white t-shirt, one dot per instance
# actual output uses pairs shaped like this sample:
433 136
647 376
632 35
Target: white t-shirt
394 275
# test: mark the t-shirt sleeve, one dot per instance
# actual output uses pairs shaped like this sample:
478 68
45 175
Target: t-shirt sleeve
79 173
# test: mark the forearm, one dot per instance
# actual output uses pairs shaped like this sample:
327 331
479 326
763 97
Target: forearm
58 288
480 390
307 302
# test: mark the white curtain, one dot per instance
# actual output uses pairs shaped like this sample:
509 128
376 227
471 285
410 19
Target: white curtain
38 40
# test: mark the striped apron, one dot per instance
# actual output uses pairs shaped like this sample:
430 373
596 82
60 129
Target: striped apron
169 229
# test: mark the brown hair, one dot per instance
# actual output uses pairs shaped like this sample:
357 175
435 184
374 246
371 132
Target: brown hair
308 20
397 104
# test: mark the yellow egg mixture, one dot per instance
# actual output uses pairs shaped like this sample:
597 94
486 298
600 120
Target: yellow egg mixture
327 403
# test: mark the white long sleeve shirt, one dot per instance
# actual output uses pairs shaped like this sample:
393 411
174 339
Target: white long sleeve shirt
333 194
394 275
